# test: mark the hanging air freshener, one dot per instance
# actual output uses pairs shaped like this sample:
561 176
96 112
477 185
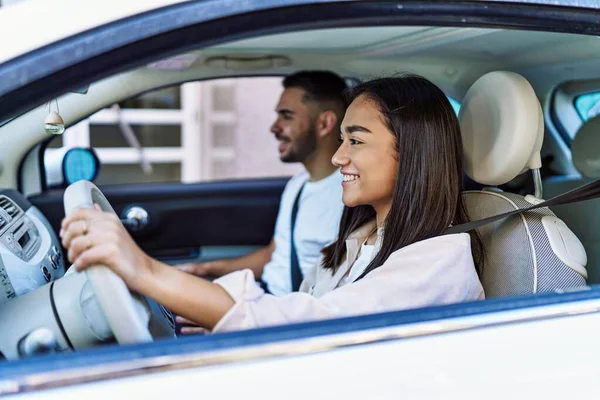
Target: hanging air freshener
54 124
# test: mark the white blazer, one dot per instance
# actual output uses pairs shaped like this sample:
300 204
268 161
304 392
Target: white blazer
435 271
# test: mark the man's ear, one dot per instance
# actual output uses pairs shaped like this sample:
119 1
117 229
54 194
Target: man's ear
326 123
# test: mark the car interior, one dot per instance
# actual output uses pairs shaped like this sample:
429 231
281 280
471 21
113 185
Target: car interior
524 142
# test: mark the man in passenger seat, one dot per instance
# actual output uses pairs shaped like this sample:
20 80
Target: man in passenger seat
309 114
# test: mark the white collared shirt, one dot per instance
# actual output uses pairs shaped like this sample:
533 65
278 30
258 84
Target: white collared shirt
367 252
431 272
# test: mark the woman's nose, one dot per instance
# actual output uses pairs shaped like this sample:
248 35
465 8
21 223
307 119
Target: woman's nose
340 158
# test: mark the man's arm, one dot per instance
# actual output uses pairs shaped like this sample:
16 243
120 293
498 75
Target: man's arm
255 261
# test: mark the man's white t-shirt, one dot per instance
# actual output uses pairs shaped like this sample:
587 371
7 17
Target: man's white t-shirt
317 224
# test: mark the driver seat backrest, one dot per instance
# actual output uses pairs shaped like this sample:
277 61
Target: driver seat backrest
502 126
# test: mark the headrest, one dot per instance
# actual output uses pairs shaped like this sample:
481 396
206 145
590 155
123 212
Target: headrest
584 148
502 127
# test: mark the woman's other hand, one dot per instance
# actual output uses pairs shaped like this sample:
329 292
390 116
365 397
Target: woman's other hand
190 327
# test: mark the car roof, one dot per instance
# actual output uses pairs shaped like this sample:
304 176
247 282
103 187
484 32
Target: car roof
74 16
35 30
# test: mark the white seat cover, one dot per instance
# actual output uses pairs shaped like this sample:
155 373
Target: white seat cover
502 126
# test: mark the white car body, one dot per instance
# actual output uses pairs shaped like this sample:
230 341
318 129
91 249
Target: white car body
539 346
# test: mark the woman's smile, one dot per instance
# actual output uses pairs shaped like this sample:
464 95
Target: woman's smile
350 178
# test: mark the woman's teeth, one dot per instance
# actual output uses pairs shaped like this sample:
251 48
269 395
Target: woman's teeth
350 178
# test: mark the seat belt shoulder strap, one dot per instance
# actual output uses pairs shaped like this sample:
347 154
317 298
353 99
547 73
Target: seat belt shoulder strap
585 192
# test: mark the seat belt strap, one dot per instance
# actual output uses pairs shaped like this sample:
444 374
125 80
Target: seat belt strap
588 191
296 272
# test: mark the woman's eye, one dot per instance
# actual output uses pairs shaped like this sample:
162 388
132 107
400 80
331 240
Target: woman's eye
352 141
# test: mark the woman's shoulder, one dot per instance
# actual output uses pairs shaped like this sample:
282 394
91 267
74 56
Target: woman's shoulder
440 252
442 243
443 264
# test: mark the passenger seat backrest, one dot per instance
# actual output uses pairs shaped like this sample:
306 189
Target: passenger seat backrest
583 218
502 126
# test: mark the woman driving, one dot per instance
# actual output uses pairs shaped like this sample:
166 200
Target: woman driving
401 157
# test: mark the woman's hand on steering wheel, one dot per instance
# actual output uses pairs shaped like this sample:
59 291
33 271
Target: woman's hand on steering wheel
94 237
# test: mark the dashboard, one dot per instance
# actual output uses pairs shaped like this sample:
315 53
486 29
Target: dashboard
43 308
30 252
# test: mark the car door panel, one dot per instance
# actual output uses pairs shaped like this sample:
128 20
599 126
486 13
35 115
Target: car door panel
197 221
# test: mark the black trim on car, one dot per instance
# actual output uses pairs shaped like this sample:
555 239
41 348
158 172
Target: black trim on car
36 77
41 154
57 318
179 213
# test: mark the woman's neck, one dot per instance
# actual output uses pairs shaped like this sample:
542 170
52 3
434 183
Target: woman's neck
381 213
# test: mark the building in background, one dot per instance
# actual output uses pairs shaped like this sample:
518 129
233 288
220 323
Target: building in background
199 131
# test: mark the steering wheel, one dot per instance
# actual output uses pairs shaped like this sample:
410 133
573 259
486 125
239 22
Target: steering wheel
130 316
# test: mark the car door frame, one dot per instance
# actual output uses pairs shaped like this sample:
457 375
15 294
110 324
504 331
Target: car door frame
110 363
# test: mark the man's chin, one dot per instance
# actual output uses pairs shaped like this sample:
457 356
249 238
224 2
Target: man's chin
287 158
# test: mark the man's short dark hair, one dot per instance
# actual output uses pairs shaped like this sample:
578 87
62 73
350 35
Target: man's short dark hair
320 86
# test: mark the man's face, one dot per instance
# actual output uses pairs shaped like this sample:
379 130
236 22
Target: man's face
294 127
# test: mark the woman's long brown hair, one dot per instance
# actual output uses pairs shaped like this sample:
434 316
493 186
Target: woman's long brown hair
427 195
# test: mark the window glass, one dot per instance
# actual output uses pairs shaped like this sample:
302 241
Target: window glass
588 105
455 104
200 131
225 123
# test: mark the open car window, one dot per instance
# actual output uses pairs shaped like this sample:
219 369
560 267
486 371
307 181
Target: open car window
217 129
141 139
